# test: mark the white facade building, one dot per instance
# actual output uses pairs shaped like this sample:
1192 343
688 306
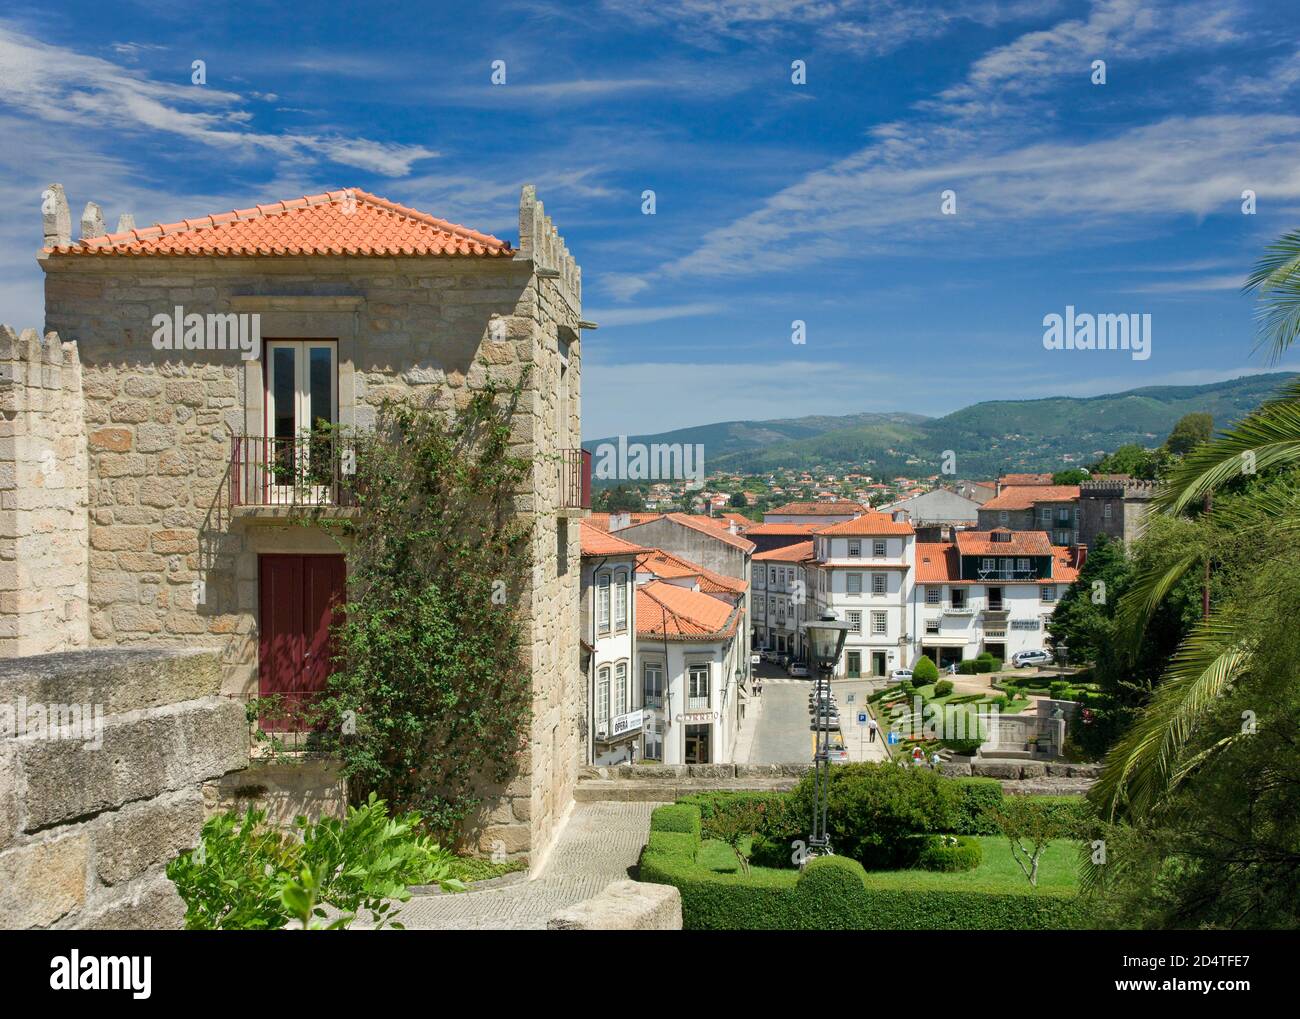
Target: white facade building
782 594
608 643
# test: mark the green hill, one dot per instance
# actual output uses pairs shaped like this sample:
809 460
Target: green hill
988 438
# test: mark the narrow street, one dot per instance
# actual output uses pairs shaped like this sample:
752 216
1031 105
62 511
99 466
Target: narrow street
782 734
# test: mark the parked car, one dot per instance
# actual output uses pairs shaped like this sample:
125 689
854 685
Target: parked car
837 754
818 723
898 675
798 669
1022 658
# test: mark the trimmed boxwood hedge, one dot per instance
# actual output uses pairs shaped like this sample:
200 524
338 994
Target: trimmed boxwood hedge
678 817
977 796
834 893
936 855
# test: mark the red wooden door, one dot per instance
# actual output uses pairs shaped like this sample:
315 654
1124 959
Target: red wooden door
298 596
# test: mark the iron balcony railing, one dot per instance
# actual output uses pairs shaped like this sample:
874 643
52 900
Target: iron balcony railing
694 703
305 470
575 479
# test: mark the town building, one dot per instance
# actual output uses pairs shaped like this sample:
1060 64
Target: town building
692 651
608 646
1053 509
937 513
781 598
828 511
1115 507
767 536
179 480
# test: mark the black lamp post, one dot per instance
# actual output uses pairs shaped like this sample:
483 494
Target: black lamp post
825 640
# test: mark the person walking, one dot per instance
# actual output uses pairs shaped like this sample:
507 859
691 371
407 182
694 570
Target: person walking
871 729
934 761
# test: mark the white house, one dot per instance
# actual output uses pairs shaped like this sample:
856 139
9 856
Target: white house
781 596
693 660
608 644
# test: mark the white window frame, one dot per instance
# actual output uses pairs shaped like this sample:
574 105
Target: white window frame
933 594
602 694
620 689
879 583
878 548
853 583
620 601
855 548
854 619
1048 594
879 623
603 617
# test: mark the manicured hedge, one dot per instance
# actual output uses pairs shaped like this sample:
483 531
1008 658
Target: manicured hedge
678 817
977 797
834 893
936 855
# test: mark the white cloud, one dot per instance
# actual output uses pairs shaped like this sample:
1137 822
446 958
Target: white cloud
57 85
611 317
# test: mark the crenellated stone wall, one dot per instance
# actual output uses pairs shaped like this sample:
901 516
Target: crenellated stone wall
43 495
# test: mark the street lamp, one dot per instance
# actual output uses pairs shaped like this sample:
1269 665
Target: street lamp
825 638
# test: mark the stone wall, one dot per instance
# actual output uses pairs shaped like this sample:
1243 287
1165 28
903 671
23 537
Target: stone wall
43 525
103 784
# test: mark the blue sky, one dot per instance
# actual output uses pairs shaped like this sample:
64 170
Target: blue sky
774 201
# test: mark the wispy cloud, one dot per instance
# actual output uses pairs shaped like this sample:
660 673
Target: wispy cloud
642 316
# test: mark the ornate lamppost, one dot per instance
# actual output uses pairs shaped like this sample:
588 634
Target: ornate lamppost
825 640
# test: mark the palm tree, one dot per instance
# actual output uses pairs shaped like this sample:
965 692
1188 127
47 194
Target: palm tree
1146 763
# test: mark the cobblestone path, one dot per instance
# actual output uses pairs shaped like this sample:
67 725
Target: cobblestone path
598 845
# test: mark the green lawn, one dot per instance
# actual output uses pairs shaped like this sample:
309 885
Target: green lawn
997 872
475 868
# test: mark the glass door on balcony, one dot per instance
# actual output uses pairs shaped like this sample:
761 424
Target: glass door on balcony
697 697
995 599
301 404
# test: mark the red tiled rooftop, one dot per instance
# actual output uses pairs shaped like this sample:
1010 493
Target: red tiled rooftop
667 566
795 529
838 507
1022 497
938 563
1023 543
596 542
665 610
601 520
347 222
869 524
797 553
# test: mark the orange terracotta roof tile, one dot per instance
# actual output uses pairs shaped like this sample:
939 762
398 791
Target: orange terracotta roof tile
838 507
596 542
869 524
1023 543
665 610
347 222
667 566
1022 497
939 563
1026 479
797 553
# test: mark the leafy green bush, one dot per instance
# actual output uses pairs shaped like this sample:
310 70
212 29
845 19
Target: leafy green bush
976 797
245 875
949 853
925 671
943 688
683 818
968 667
1059 689
874 807
989 664
835 893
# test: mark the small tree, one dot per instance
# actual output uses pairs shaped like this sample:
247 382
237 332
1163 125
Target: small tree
925 671
733 825
1030 826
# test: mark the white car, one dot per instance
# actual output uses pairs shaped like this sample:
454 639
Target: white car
898 675
1022 658
798 669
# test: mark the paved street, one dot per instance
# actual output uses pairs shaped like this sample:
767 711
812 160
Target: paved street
781 732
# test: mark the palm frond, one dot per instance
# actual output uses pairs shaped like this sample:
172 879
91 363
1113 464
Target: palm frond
1149 588
1142 765
1276 278
1267 436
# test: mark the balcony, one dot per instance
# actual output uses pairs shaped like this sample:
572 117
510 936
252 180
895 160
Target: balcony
697 703
303 471
575 479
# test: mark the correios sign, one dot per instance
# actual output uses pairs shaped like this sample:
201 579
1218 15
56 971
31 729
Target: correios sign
698 717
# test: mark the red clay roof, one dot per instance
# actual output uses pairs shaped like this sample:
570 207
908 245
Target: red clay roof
667 566
797 553
838 507
1023 543
348 222
868 524
1022 497
1025 479
665 610
938 563
596 542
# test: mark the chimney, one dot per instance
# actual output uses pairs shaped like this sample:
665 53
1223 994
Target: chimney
125 222
92 222
56 217
732 528
900 516
618 521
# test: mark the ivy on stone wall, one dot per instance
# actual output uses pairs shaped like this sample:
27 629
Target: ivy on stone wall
431 697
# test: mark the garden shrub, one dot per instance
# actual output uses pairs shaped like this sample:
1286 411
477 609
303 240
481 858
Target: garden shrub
949 853
925 671
968 667
835 893
975 798
989 664
875 807
943 688
677 817
1060 689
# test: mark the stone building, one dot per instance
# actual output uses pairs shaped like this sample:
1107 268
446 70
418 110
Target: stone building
157 452
1053 509
1114 507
